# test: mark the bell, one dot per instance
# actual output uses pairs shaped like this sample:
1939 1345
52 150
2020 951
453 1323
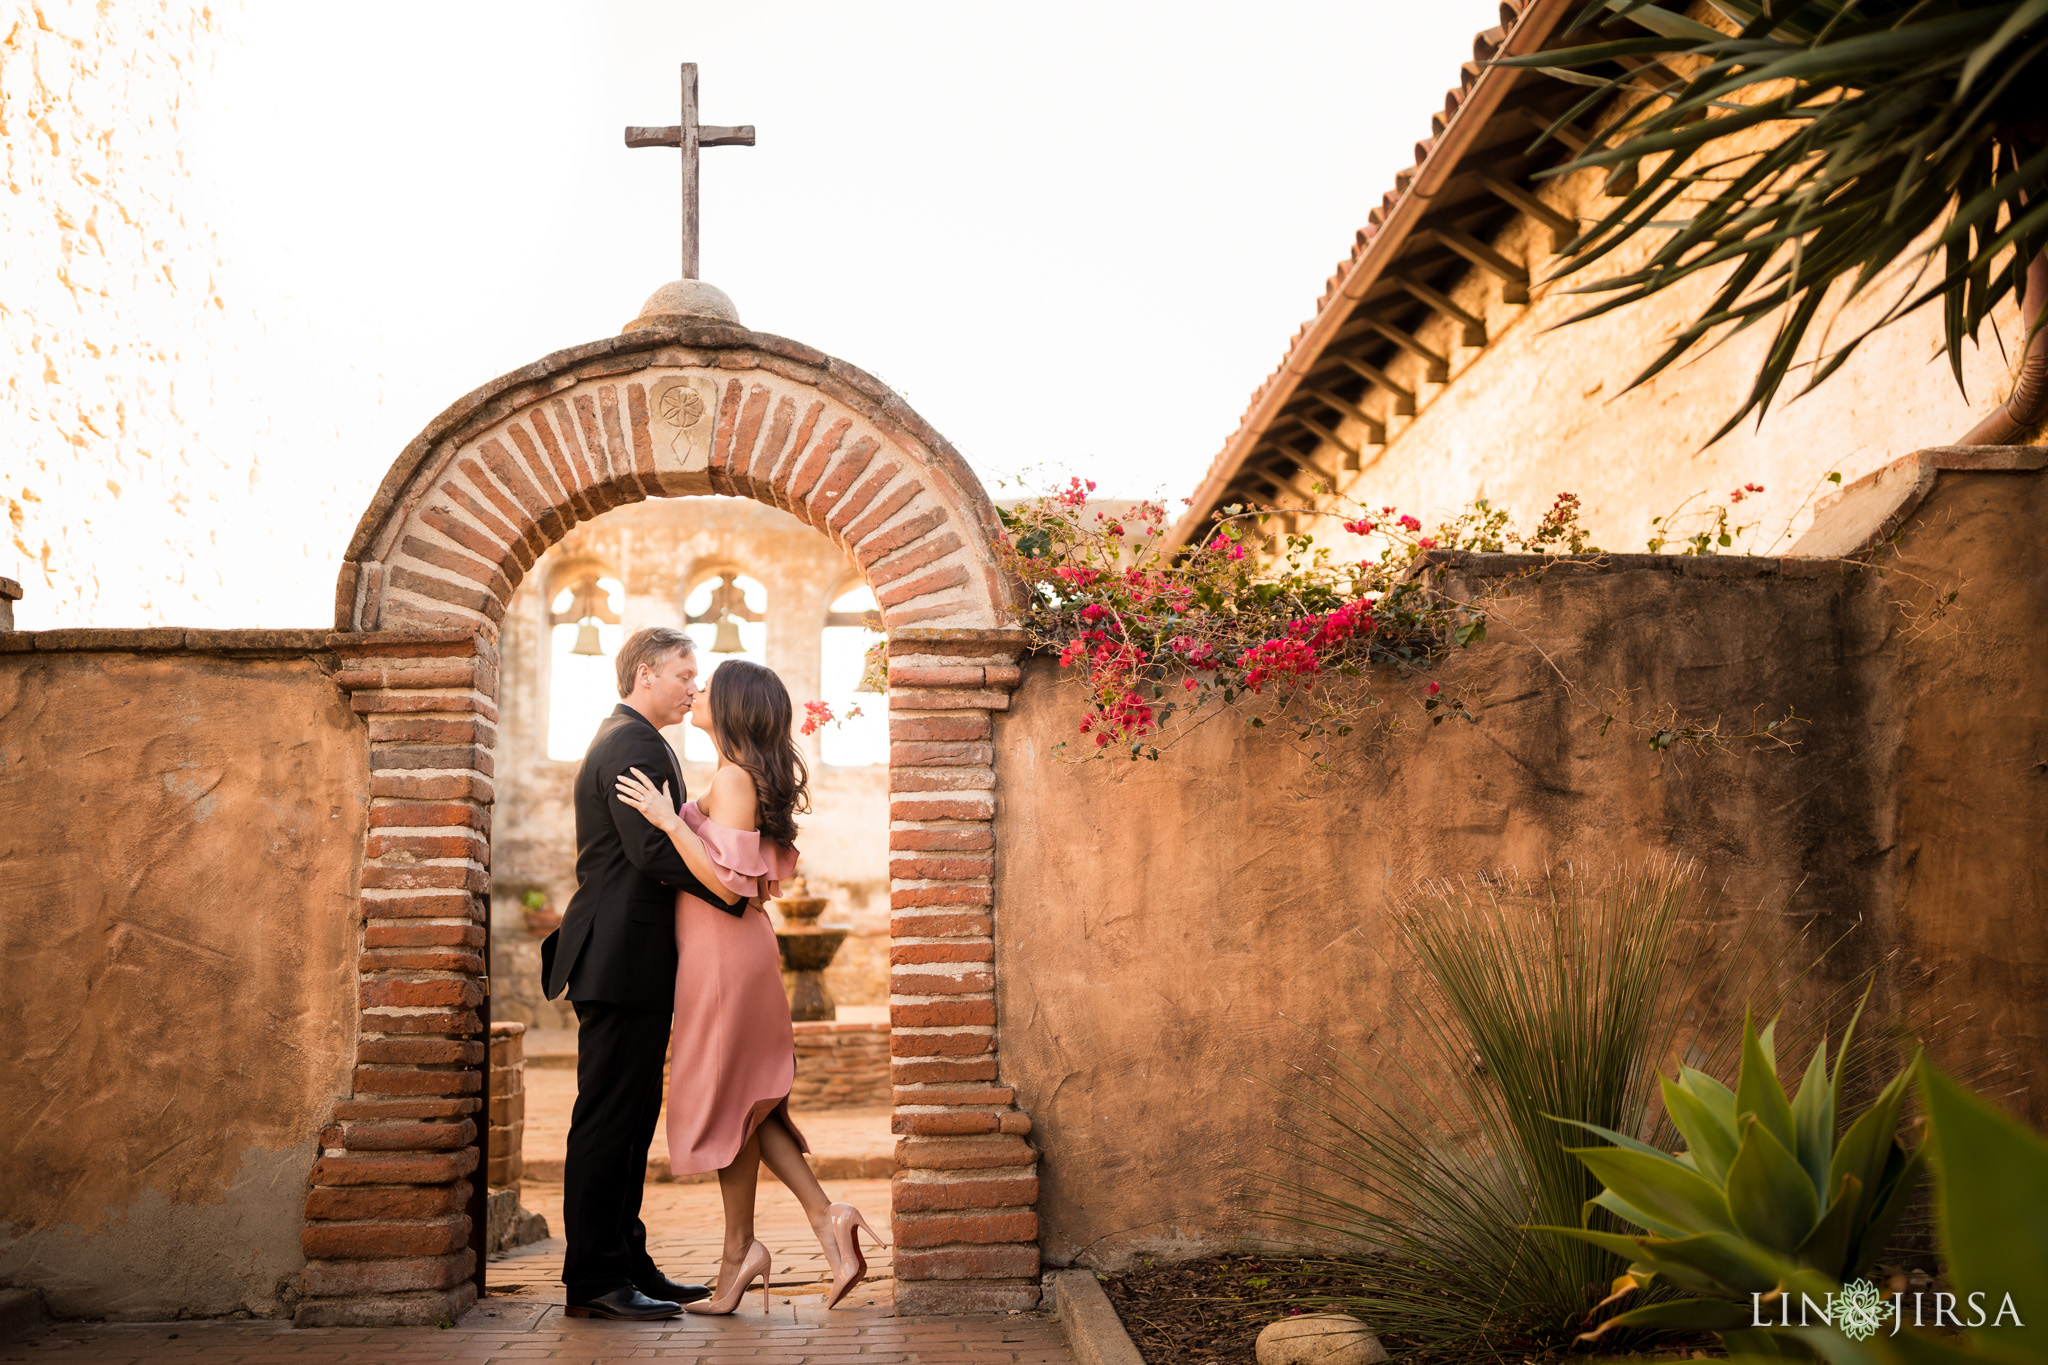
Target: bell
728 639
586 640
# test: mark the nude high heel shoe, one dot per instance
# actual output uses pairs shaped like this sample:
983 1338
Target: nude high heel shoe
754 1266
847 1225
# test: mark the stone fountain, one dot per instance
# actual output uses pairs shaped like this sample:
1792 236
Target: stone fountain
807 949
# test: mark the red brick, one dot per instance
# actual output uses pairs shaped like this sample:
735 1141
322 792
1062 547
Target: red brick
944 755
464 845
905 981
941 780
857 501
467 729
932 1230
486 516
461 675
412 757
741 454
462 565
420 1051
941 926
358 1279
902 954
813 467
430 877
942 808
911 1195
925 1298
433 786
935 675
912 1071
430 905
424 936
398 1168
943 698
870 548
558 481
955 1094
392 702
372 1240
966 1263
399 1137
927 869
393 1201
439 991
922 587
645 481
939 1044
428 815
728 422
769 476
898 566
939 1014
421 960
1016 1124
947 839
439 1108
379 1081
754 472
1003 675
972 726
511 472
823 502
437 1021
963 1154
951 893
953 1123
881 512
441 590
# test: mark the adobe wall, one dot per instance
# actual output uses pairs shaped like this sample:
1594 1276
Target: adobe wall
1172 930
183 833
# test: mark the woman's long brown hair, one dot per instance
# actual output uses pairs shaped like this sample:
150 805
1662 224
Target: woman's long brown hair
752 720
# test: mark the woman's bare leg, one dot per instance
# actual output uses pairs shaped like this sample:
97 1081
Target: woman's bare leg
736 1186
779 1151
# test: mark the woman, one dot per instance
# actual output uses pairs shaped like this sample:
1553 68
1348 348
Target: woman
734 1053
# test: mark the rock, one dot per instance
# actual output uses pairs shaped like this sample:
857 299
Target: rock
1319 1339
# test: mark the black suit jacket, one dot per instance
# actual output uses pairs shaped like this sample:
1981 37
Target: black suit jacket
617 942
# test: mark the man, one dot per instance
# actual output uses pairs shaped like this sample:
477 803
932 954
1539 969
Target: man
616 954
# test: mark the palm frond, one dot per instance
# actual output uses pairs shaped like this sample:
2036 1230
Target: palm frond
1809 155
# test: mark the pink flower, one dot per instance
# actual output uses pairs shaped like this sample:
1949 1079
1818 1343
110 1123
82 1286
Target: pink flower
1190 684
1361 527
1426 543
1237 552
1409 523
1435 688
1094 611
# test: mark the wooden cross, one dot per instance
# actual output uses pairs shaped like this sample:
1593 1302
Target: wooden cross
690 135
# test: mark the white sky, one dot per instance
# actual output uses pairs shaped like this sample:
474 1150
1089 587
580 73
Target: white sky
1072 235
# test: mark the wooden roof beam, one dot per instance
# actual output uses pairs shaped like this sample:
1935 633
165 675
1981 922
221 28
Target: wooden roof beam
1436 368
1375 429
1404 398
1562 229
1353 457
1514 278
1475 327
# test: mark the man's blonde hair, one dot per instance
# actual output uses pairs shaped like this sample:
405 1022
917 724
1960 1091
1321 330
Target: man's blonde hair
650 645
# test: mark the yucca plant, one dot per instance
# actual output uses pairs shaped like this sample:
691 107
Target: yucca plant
1552 995
1895 132
1763 1200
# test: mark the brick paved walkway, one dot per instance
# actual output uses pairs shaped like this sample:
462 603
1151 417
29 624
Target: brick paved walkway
521 1319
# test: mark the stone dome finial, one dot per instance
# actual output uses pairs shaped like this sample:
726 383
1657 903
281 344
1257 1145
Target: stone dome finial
685 301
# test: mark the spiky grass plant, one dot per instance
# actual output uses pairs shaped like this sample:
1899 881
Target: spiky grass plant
1544 998
1895 132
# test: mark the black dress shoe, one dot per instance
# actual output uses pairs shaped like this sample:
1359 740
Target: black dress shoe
626 1304
660 1286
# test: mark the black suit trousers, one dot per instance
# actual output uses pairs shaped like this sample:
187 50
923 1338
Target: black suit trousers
619 1063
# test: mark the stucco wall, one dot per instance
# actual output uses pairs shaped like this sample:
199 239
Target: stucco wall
1168 930
180 838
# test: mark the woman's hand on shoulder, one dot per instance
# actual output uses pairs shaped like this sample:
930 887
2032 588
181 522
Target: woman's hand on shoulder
732 800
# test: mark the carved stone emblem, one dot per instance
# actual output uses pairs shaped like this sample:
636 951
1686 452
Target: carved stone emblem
682 411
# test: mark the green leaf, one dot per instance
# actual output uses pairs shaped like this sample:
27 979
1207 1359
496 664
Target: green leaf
1690 1315
1769 1195
1993 1211
1827 1247
1889 1207
1869 1142
1757 1090
1621 1208
1735 1266
1711 1142
1813 1119
1660 1187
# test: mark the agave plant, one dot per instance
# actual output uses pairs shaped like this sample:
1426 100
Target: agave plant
1763 1201
1822 143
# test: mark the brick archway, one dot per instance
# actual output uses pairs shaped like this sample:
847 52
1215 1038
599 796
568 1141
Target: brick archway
395 1205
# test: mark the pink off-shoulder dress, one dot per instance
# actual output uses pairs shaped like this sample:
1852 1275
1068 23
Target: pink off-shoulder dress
733 1054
